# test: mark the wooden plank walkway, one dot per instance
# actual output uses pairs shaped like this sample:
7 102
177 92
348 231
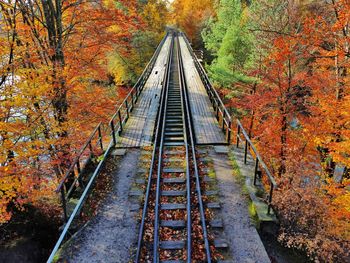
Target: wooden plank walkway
206 126
138 130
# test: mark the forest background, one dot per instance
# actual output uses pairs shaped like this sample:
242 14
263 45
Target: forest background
281 67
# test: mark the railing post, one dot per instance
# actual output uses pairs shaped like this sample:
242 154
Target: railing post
113 132
256 169
100 137
120 122
223 119
132 99
64 205
217 108
245 151
229 132
238 133
78 166
270 200
80 180
138 91
127 108
91 150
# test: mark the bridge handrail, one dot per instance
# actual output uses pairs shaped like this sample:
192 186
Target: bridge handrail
258 160
214 97
97 130
81 151
123 115
79 205
132 96
76 164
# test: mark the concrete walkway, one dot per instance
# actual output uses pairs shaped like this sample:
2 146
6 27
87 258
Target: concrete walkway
244 241
206 126
139 128
112 234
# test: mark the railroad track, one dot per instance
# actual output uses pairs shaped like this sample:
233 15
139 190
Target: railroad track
173 224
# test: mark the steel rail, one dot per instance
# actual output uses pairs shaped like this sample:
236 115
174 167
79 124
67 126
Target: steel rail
159 173
154 154
160 135
214 97
159 168
183 87
188 161
111 144
137 89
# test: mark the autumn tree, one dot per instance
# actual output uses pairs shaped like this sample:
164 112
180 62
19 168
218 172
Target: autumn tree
191 15
283 68
53 60
127 66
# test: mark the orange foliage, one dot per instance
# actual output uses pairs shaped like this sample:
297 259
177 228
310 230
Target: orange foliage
300 122
53 88
190 15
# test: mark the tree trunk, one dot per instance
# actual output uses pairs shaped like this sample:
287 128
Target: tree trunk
53 19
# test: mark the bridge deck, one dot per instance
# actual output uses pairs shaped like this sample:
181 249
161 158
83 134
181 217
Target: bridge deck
206 126
139 128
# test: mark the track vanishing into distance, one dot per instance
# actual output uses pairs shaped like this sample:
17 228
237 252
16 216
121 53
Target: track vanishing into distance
173 223
191 205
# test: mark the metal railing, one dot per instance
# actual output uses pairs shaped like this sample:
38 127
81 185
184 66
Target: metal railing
76 170
73 178
221 113
79 205
154 159
225 120
120 117
184 90
258 162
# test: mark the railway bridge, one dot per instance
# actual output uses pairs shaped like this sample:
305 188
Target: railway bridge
176 193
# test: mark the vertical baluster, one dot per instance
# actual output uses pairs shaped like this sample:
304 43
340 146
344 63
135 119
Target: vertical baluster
100 137
256 169
270 199
80 179
120 122
217 109
127 109
138 91
132 100
238 134
245 151
229 132
91 150
223 119
78 166
113 132
64 204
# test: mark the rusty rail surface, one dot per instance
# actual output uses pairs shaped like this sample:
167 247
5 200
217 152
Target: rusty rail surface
76 171
73 178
